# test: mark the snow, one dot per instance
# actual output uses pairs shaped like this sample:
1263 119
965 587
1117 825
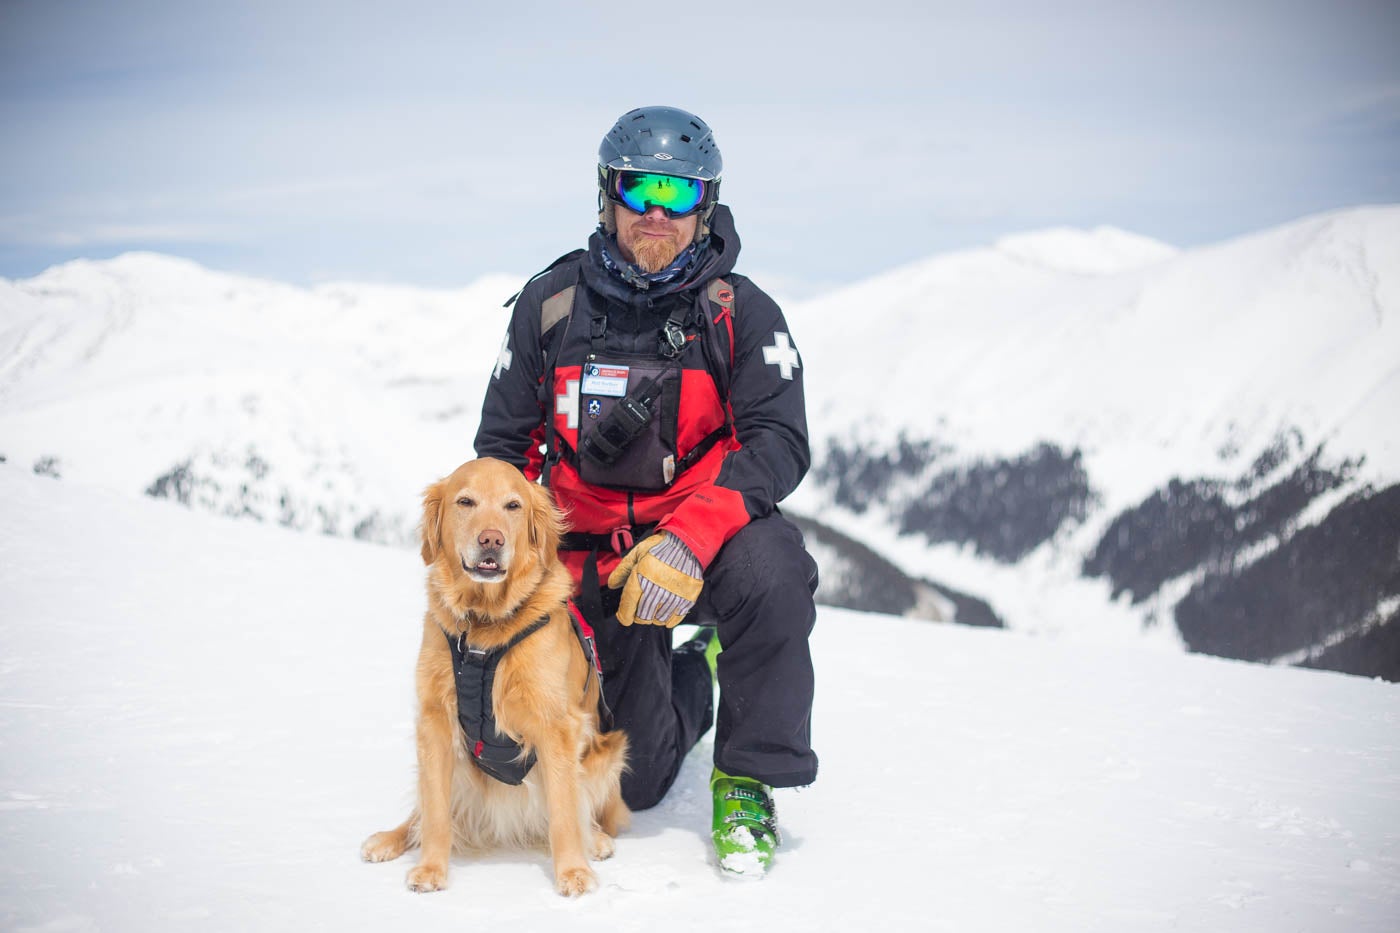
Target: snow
122 370
316 407
1152 360
745 863
1153 365
1101 251
202 719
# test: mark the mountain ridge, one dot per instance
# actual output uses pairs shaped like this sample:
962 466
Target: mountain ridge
1238 393
995 405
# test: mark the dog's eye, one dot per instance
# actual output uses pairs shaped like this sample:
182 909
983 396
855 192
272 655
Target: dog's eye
513 505
466 503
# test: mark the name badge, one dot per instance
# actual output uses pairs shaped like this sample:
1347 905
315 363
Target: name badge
604 380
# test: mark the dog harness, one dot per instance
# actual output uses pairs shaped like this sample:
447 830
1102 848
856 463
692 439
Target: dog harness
474 670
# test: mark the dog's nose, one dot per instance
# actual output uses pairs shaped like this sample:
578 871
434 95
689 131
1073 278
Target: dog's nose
491 538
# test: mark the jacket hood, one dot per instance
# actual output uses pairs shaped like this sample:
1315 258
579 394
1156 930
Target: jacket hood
719 258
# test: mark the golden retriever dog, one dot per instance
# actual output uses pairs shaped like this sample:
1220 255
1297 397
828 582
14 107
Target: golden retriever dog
490 539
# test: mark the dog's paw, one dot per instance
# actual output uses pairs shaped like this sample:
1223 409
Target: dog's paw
571 882
425 878
603 847
383 847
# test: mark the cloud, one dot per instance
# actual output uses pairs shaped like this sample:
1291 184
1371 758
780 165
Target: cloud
1371 111
24 231
320 135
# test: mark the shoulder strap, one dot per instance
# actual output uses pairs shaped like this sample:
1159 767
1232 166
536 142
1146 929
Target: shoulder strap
720 363
459 650
721 294
557 307
525 633
572 254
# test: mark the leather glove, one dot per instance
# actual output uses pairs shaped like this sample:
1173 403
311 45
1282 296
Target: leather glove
660 581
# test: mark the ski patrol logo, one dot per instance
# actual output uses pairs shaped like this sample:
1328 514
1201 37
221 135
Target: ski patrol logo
782 354
595 408
504 357
567 404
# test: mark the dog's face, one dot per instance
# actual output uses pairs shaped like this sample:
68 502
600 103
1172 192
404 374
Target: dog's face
489 521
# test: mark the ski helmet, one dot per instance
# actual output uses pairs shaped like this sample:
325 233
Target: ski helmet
665 140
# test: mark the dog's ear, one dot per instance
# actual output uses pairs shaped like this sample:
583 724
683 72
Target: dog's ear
432 522
545 524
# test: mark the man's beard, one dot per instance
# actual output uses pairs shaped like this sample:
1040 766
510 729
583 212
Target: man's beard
655 253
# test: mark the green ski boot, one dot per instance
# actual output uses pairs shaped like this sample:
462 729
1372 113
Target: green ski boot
705 641
745 826
712 650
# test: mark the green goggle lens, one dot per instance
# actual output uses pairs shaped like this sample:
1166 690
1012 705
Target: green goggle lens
638 191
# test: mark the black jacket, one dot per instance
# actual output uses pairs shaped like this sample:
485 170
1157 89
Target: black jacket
746 367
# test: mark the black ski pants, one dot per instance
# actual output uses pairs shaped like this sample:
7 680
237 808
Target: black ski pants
759 594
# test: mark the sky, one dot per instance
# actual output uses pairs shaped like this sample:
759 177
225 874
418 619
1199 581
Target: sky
433 143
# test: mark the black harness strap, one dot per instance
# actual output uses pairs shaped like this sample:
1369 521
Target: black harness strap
718 293
459 647
585 541
525 633
672 338
702 448
597 329
474 674
474 671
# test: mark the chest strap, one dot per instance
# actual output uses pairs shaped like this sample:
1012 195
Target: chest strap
560 307
474 671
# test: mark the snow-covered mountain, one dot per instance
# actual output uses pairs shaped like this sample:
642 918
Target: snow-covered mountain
327 410
1097 435
1092 431
202 719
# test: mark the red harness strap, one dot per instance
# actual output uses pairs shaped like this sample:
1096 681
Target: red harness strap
587 631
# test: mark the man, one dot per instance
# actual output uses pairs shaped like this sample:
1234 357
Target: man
659 395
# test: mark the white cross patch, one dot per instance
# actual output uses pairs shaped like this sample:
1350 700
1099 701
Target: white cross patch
782 354
567 404
505 356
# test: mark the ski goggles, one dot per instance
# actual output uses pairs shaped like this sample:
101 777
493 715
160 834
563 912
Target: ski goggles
637 191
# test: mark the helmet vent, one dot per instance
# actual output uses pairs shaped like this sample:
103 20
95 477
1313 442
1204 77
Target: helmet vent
648 138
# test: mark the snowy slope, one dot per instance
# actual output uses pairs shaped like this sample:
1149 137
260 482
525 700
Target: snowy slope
201 719
284 404
1153 361
319 409
1260 375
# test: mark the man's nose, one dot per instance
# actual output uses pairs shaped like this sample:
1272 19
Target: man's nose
655 212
